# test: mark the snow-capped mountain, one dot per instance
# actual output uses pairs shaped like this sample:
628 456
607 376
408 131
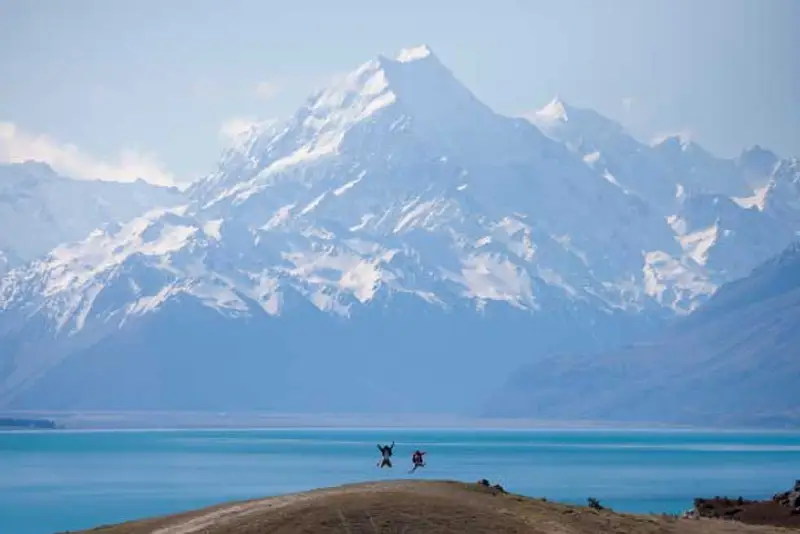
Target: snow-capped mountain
40 209
662 173
727 215
732 362
392 232
780 197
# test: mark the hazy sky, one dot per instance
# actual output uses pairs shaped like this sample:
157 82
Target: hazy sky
126 87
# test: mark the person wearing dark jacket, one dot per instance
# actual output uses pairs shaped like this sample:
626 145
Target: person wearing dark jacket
386 452
417 460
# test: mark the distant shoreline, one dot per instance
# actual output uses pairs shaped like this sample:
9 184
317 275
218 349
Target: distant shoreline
201 421
18 423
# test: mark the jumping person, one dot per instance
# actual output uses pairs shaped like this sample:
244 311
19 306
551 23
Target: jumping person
386 452
417 460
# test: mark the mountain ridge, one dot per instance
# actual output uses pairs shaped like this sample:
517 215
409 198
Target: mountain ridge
380 203
731 362
46 209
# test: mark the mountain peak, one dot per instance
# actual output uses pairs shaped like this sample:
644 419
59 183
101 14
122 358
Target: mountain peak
413 70
674 142
582 129
555 110
385 94
34 167
758 159
415 79
415 53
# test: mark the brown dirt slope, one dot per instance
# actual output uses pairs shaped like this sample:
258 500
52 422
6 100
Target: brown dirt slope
416 507
768 512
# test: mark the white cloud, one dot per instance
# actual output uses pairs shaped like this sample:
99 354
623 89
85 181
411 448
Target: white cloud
236 126
18 146
267 90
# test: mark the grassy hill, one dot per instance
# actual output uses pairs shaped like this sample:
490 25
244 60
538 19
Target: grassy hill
416 507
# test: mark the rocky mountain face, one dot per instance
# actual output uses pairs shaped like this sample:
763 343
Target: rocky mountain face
734 361
395 245
40 209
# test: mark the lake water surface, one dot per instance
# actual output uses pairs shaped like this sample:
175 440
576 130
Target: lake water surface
53 481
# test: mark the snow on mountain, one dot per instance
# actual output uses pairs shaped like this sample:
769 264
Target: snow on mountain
732 362
698 171
719 233
781 197
735 233
651 171
605 146
712 204
40 209
444 178
394 217
398 160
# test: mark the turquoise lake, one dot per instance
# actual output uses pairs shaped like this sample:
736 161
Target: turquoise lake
54 481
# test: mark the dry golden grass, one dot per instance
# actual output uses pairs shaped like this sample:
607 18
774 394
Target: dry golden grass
406 507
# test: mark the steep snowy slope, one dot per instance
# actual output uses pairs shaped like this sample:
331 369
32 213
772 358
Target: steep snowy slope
40 209
606 147
697 171
402 151
715 206
734 361
660 173
392 233
780 198
727 239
